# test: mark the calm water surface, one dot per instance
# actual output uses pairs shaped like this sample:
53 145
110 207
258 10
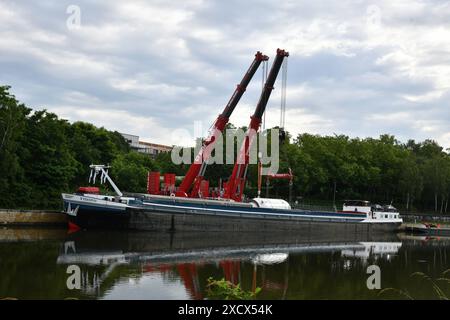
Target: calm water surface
139 265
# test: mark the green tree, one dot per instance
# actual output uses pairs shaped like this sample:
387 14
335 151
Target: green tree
130 171
92 145
47 161
12 126
411 180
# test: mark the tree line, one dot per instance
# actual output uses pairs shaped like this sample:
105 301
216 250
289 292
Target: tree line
42 155
411 175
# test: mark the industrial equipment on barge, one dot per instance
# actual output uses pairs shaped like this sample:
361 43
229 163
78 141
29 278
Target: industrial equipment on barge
189 207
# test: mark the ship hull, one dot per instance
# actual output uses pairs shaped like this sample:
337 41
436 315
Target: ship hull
174 214
89 213
152 220
186 215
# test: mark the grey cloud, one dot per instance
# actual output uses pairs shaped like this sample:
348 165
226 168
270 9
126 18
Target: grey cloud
178 62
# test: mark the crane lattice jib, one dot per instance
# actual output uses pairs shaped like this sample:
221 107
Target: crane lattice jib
199 165
236 182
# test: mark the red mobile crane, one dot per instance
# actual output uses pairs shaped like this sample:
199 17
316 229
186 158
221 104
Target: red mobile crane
235 186
196 172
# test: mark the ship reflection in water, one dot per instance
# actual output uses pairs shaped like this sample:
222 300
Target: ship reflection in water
142 265
305 268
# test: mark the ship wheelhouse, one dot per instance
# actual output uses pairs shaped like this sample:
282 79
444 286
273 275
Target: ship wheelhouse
373 211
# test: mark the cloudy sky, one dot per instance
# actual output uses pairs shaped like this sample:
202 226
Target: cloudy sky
151 68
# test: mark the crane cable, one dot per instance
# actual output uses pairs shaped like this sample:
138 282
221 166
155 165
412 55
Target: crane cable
283 94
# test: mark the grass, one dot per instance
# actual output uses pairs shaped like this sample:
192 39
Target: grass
435 284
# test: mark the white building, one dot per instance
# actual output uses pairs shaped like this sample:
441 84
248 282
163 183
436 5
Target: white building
152 149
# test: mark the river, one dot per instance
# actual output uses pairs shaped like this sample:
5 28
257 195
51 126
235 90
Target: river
39 264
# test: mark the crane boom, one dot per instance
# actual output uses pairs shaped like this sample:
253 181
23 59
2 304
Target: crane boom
196 171
234 189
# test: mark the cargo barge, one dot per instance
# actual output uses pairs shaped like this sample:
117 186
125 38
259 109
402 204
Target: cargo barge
259 215
189 207
88 209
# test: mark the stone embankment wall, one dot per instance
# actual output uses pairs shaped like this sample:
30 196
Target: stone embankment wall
31 217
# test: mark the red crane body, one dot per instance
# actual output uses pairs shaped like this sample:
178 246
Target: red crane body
194 176
285 176
235 186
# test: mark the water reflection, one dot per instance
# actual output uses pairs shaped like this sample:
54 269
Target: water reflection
139 265
375 250
186 265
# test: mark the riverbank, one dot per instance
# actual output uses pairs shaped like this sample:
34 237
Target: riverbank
12 217
419 217
426 229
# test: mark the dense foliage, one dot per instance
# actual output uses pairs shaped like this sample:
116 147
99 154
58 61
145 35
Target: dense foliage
381 170
42 156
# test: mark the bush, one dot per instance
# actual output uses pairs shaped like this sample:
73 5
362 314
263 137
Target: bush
225 290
